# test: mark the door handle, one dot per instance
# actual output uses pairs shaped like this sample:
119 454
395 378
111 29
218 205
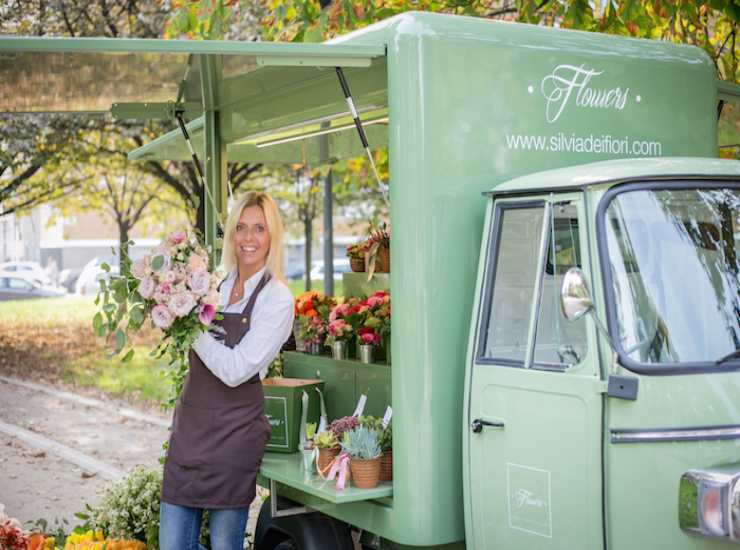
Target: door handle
478 424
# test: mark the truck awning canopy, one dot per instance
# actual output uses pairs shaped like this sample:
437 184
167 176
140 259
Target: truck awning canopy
272 98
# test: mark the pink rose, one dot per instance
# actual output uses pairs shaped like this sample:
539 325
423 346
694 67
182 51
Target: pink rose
140 268
146 288
176 237
168 276
374 301
199 282
162 317
181 303
206 312
197 263
164 288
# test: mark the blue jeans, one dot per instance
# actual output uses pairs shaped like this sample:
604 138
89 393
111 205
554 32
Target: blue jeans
179 527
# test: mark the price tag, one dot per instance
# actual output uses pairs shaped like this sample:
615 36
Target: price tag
387 417
360 405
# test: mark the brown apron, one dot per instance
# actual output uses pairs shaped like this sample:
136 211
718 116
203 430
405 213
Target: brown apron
218 433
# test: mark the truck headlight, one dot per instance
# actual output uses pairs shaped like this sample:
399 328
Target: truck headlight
709 502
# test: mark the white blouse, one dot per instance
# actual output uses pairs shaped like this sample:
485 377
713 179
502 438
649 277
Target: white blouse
270 326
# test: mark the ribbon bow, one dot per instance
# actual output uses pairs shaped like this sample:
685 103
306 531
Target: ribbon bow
340 470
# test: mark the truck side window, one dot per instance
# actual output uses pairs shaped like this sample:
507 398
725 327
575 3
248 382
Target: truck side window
559 342
518 239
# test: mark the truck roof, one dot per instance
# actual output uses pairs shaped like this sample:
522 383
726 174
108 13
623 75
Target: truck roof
620 170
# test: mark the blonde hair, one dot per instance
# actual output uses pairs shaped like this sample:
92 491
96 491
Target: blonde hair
274 262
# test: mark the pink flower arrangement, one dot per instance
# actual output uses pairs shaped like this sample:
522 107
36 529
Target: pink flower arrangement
173 287
376 315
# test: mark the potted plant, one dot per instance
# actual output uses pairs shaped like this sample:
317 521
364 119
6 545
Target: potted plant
385 438
356 255
378 251
386 461
376 325
312 313
309 448
363 447
344 319
326 443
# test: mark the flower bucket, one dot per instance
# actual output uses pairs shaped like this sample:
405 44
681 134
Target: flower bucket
365 473
367 352
339 350
313 348
324 460
386 466
357 264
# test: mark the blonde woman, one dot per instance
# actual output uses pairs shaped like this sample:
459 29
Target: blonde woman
219 430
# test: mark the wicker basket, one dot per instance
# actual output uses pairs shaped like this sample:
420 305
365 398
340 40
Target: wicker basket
365 473
357 264
383 260
323 462
386 466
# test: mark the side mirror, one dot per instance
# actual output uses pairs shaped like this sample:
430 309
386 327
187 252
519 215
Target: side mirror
575 300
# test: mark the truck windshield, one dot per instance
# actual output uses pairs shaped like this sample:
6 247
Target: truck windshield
674 261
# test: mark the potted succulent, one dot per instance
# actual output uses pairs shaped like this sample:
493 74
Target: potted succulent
356 255
326 443
385 438
363 447
386 461
309 448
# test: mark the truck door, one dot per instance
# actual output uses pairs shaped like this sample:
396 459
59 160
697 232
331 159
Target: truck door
534 410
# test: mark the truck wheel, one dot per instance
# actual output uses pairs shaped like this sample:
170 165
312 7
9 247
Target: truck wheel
311 531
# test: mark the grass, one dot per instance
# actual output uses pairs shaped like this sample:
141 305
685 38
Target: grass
71 309
141 379
297 287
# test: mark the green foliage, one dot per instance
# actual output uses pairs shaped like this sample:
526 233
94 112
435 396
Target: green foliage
361 442
311 430
130 508
325 440
385 436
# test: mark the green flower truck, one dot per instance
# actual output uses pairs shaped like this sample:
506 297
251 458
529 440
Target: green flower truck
564 267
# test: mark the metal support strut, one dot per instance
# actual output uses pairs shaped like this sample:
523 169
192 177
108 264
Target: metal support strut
361 130
199 170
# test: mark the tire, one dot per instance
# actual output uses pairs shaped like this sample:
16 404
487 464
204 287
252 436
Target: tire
310 531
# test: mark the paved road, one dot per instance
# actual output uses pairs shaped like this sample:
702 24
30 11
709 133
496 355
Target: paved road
59 450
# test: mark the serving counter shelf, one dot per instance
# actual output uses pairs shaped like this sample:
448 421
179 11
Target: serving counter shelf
287 469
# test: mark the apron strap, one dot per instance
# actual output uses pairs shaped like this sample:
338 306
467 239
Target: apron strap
253 298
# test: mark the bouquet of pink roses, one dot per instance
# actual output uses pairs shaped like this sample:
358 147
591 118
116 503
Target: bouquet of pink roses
173 287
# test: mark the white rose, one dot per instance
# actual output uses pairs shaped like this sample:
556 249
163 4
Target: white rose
141 268
146 288
162 317
199 282
181 303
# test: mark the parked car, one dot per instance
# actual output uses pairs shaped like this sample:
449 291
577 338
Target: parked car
88 281
340 266
68 278
30 271
20 288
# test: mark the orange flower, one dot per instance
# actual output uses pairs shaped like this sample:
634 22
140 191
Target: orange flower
312 312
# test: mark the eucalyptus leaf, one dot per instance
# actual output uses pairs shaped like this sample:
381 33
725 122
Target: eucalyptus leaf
120 340
97 322
128 356
105 267
157 262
